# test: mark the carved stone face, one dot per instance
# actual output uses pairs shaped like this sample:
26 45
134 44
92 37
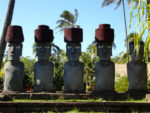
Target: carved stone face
73 51
104 50
14 51
133 52
43 51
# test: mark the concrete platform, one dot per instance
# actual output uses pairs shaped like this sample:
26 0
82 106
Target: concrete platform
61 95
18 107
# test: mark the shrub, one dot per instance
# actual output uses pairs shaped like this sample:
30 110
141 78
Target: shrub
28 72
121 85
1 74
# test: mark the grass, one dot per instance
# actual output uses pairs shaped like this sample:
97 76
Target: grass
79 100
60 100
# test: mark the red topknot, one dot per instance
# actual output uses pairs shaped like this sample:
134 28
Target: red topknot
43 34
14 34
104 33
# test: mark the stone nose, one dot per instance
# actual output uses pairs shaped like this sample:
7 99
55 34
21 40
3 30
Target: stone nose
42 49
104 50
12 50
73 50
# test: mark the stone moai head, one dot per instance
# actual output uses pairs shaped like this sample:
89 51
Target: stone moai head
14 37
133 53
43 37
104 36
73 37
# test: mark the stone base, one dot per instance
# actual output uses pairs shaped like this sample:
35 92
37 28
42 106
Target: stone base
110 95
137 94
76 92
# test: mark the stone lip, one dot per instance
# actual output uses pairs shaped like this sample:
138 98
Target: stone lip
73 35
104 33
43 34
14 34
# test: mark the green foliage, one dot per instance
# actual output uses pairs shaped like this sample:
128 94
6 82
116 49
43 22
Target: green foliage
141 12
89 59
28 72
148 85
68 20
121 85
59 61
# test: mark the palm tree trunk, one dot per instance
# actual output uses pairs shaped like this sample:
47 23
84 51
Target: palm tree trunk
125 27
8 20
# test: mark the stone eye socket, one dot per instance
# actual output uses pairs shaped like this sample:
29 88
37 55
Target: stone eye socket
109 46
131 46
38 47
100 46
77 47
17 47
68 47
47 47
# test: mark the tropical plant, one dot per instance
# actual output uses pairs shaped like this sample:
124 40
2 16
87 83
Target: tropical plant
59 62
121 85
28 80
89 58
8 20
141 12
68 20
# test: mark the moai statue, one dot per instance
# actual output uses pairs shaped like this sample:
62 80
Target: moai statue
137 70
14 69
104 69
43 68
73 69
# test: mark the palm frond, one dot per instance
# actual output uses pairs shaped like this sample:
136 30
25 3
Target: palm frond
76 15
67 16
107 2
118 4
63 24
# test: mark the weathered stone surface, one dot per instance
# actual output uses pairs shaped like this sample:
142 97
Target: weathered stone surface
137 70
43 80
73 69
104 33
43 68
14 69
73 35
104 69
104 76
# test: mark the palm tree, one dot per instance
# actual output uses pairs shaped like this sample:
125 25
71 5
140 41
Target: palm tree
8 20
141 10
68 20
108 2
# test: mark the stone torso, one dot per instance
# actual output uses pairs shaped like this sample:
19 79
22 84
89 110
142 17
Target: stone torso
104 73
137 76
43 79
13 76
73 77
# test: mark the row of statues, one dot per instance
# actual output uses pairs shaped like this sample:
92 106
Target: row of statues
73 69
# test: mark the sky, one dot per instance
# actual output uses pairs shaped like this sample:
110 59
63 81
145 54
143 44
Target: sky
31 13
